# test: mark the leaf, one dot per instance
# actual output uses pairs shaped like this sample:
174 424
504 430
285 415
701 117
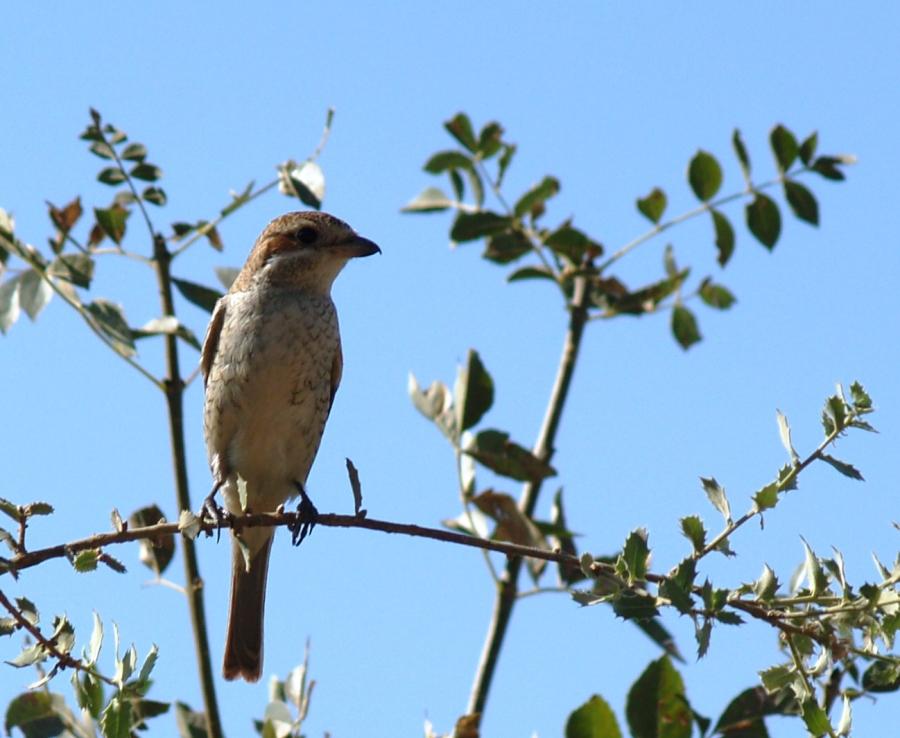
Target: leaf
572 243
490 139
436 404
9 303
507 247
815 718
430 200
66 217
134 152
504 161
472 226
715 295
110 319
85 561
724 237
34 293
654 630
238 199
704 175
155 196
460 127
684 327
632 562
530 272
764 220
716 494
35 713
826 166
692 528
156 554
533 200
75 268
355 487
784 146
169 326
802 202
112 221
738 143
304 181
653 205
657 706
512 524
227 275
190 724
115 722
767 585
848 470
743 717
594 719
444 160
146 172
112 176
493 449
766 498
474 392
808 148
198 294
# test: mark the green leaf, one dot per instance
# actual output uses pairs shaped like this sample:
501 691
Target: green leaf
166 326
430 200
110 319
743 717
85 561
715 295
826 166
815 718
88 693
34 293
784 146
10 308
654 630
704 175
493 449
684 327
767 585
112 221
813 571
190 724
112 176
572 243
530 272
808 148
678 585
116 720
632 562
472 226
146 172
784 432
802 202
444 160
490 139
724 237
304 181
861 399
36 714
507 247
474 392
635 605
155 196
533 200
134 152
653 205
738 143
692 528
716 494
504 161
848 470
594 719
460 127
767 497
657 706
764 220
75 268
198 294
239 199
156 554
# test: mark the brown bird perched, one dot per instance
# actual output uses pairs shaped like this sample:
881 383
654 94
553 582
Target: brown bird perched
271 364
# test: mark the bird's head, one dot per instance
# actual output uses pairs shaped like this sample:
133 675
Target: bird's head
305 250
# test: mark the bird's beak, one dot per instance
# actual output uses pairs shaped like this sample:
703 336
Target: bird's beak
360 246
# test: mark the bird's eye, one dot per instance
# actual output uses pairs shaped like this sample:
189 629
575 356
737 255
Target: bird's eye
307 235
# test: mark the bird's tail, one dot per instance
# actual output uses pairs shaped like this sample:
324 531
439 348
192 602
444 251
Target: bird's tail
244 642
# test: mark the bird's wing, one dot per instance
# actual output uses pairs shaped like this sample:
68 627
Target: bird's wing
337 368
211 342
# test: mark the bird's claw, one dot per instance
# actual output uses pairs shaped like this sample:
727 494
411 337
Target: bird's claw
214 511
307 517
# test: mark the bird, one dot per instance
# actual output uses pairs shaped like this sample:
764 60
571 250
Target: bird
271 363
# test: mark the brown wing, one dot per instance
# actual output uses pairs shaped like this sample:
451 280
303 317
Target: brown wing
337 368
211 342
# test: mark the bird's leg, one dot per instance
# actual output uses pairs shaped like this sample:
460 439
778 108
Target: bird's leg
214 509
307 516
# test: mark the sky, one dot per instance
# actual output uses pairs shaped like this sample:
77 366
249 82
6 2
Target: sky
611 98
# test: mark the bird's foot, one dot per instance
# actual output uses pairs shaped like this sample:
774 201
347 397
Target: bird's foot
307 516
214 511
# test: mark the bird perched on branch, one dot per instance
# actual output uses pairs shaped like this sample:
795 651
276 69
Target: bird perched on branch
271 364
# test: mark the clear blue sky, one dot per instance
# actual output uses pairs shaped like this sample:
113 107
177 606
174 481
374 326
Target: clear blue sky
611 99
